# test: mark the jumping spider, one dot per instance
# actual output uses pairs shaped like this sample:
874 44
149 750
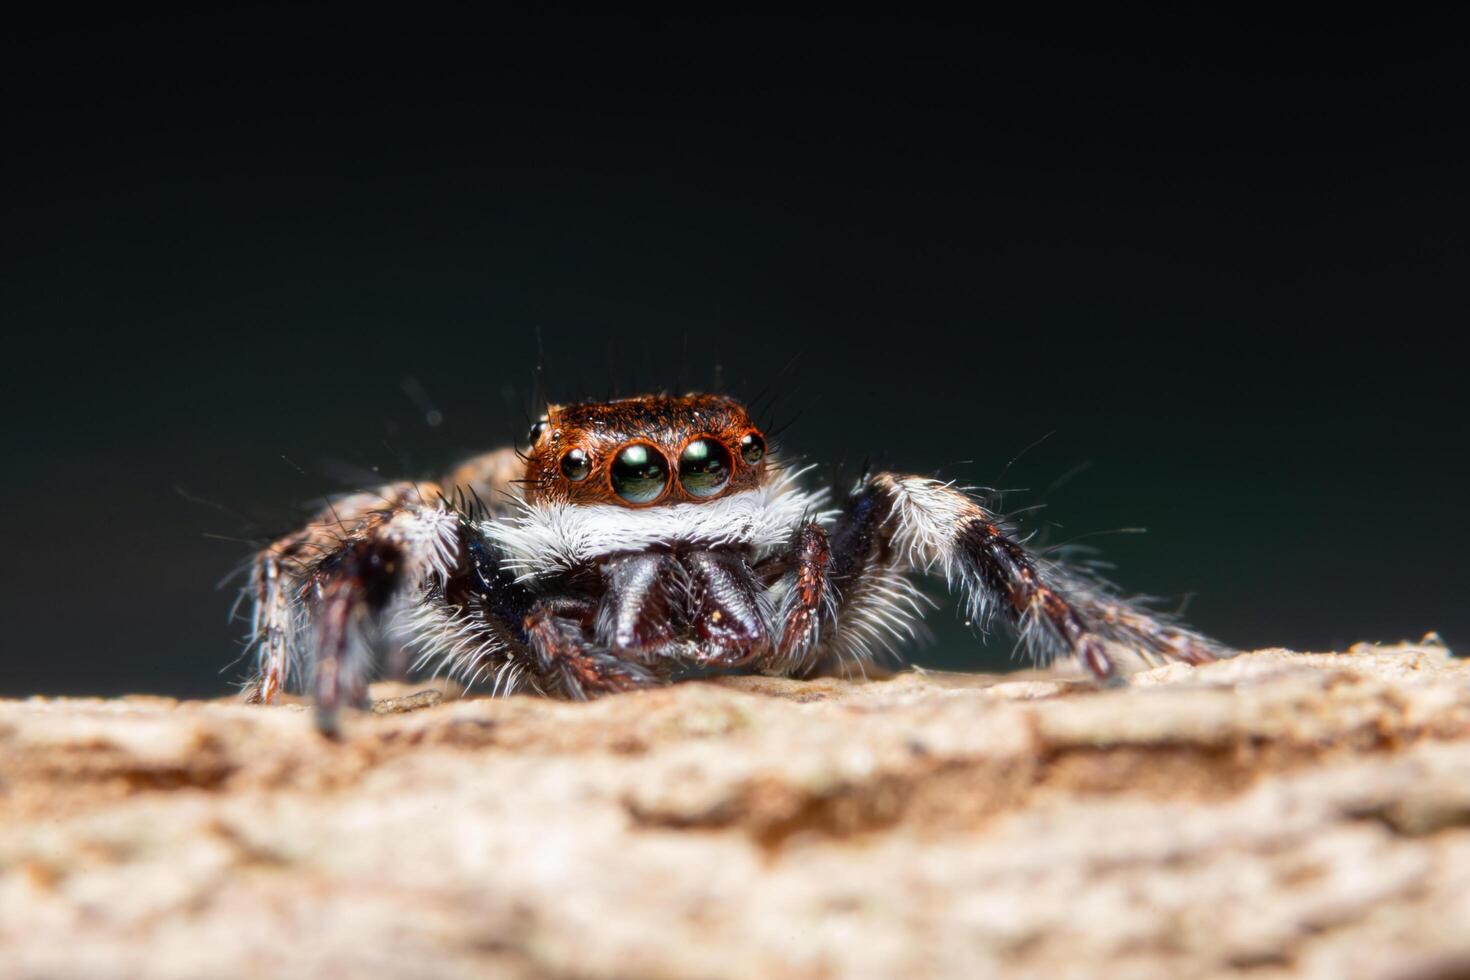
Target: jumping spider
641 539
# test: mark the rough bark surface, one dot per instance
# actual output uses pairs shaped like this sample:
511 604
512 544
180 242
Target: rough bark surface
1277 815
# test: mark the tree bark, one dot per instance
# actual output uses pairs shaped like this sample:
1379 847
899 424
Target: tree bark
1278 814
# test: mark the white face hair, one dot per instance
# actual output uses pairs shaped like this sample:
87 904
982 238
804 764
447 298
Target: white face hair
545 539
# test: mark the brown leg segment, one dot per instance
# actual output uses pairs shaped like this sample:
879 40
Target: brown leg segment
800 616
572 667
1009 573
1127 625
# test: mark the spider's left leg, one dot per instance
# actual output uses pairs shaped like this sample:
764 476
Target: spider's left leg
896 524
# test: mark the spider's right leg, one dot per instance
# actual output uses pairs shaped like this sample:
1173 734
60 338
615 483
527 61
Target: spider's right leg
403 565
316 590
323 594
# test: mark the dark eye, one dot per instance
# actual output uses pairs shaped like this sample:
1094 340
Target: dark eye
538 429
575 465
704 466
753 448
639 473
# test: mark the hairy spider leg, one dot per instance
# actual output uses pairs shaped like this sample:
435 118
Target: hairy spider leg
847 595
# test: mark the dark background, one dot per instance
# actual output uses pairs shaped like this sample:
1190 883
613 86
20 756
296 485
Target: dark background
1221 261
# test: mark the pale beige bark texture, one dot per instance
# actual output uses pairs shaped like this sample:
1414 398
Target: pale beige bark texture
1274 815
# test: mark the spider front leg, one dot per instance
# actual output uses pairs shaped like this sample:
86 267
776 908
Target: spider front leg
401 565
323 593
856 596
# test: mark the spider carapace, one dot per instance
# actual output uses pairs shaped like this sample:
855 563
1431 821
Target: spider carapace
643 539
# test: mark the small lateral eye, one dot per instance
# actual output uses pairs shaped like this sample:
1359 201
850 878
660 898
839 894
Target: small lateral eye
538 429
752 448
639 473
704 467
575 465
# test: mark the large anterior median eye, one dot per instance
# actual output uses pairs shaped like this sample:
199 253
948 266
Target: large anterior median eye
704 467
639 473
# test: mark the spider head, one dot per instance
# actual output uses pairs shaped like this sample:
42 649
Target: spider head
644 452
